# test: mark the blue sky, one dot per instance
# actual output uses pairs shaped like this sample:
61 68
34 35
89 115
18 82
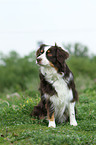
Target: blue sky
25 22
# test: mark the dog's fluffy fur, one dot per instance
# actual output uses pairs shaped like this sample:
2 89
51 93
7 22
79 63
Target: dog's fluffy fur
57 88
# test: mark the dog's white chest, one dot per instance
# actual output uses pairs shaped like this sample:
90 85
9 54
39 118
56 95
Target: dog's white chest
64 94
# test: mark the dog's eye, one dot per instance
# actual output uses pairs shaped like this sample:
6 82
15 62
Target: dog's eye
49 53
41 51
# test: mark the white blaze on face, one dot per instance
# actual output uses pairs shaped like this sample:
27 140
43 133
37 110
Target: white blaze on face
44 60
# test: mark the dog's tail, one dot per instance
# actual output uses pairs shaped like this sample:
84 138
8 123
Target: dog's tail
39 111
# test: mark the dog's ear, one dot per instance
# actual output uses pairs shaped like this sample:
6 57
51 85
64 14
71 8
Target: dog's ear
62 54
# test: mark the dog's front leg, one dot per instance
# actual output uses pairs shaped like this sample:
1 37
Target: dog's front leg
50 115
51 121
72 114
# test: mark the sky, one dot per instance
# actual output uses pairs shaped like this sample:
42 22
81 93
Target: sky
25 22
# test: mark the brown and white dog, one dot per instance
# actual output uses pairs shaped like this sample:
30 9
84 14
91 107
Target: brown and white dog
58 93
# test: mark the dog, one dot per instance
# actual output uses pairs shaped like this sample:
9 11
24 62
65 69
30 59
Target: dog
57 87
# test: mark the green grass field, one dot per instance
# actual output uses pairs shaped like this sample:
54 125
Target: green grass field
18 128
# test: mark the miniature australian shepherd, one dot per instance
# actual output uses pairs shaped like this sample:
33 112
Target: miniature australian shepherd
57 87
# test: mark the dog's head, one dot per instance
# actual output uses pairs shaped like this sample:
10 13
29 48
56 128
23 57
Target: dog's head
53 56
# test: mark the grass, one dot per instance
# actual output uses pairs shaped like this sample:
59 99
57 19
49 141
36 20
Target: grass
18 128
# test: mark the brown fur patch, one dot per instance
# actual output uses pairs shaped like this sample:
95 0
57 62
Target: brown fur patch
50 118
54 66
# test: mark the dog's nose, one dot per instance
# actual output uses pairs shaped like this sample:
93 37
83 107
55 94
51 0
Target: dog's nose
39 60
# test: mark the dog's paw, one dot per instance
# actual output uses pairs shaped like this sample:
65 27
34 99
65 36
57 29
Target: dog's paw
52 124
74 123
